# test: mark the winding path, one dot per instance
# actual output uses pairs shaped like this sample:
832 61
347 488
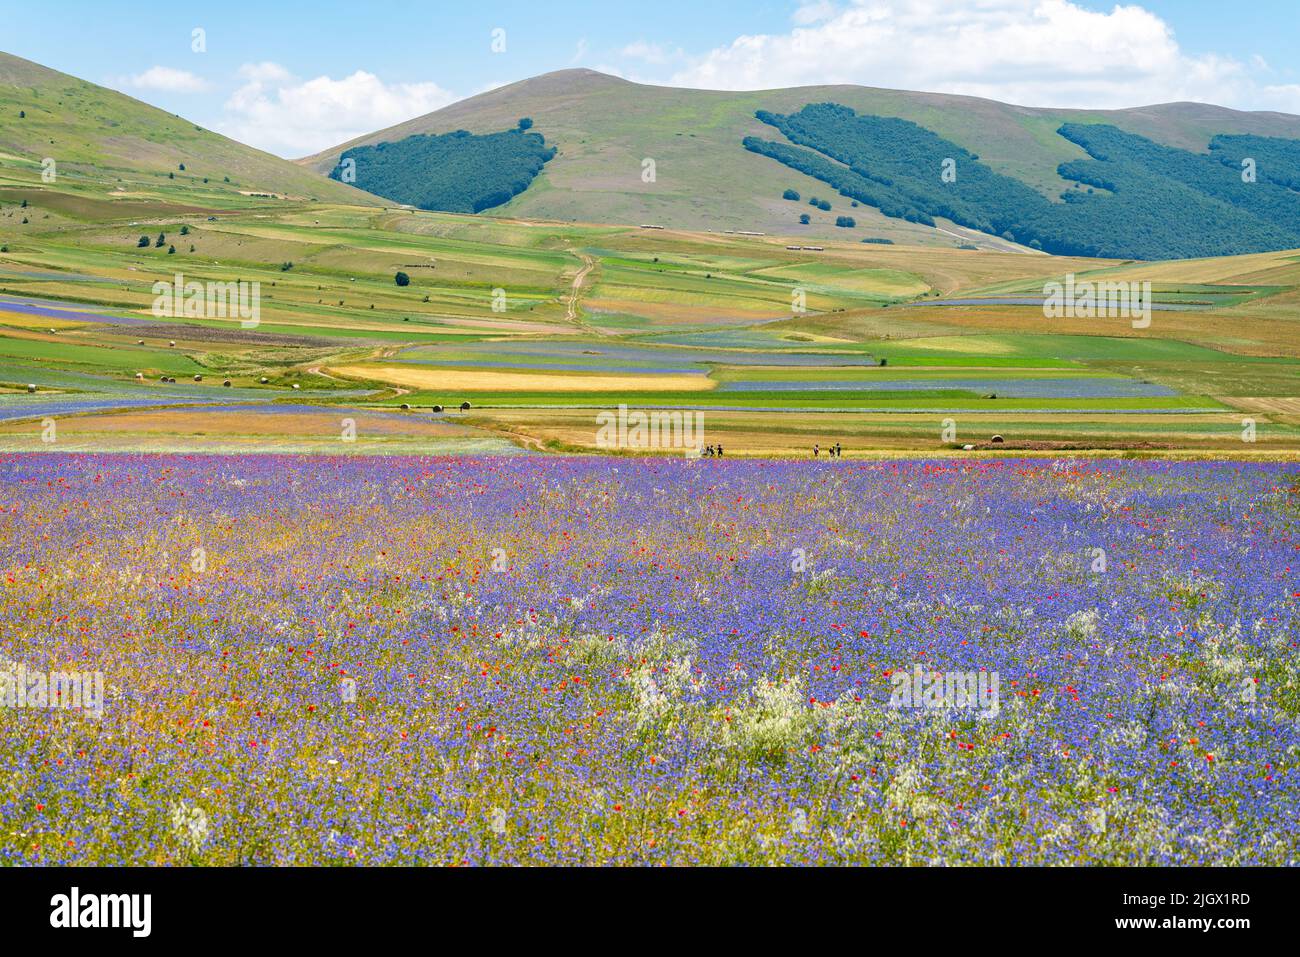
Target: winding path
575 294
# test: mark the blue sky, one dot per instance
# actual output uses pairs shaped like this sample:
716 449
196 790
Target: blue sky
297 77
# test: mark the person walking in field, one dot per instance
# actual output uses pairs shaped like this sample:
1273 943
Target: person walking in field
816 450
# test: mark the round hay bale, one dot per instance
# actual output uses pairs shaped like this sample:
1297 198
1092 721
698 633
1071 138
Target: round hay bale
226 384
437 408
406 407
31 387
997 440
464 406
197 377
264 380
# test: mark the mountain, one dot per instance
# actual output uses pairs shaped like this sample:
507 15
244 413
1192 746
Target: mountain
99 137
604 129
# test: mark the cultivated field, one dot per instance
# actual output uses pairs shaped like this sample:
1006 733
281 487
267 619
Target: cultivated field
541 326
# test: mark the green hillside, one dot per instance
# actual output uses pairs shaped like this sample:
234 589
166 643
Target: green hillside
604 128
120 150
1142 200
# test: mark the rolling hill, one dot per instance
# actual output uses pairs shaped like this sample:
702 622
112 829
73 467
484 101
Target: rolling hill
605 128
116 148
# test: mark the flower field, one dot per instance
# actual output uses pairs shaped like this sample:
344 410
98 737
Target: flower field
487 660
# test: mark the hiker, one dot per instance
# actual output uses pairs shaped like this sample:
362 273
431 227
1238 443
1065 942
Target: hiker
719 451
816 450
839 453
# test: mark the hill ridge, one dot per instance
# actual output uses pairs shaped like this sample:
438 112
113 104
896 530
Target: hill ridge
605 127
97 134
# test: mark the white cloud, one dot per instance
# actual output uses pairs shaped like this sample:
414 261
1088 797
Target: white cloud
651 53
1030 52
814 11
167 80
1283 98
264 72
275 111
